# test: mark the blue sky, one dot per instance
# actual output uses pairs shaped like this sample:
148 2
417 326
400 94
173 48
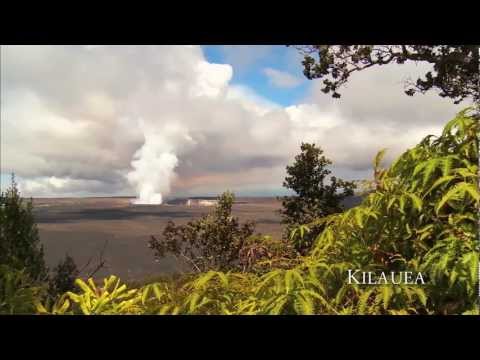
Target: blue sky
249 63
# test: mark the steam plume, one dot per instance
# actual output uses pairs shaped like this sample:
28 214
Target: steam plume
155 162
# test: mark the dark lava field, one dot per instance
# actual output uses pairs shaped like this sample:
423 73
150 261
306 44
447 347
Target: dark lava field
82 227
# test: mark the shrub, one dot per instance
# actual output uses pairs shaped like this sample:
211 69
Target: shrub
18 292
210 243
63 277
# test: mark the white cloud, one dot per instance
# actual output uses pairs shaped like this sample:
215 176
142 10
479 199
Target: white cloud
374 112
282 79
153 119
250 100
212 79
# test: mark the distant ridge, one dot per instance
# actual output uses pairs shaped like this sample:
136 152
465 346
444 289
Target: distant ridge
349 202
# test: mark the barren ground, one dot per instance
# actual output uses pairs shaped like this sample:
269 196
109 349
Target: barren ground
81 226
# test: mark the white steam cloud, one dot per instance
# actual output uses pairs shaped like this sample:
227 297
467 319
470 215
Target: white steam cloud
151 184
154 163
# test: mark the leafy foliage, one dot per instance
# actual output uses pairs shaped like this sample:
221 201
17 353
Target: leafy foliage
260 253
307 177
111 298
423 216
18 292
210 243
455 68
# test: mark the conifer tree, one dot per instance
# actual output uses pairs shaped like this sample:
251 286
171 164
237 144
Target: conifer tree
20 246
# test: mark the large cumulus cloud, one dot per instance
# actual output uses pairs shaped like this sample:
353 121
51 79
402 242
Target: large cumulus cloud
111 120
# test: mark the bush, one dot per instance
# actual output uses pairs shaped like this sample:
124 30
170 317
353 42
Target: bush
210 243
63 277
260 253
18 292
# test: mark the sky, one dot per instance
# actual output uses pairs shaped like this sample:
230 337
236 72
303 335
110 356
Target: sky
165 121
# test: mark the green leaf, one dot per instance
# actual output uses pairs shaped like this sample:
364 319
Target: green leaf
82 285
387 295
223 278
363 300
304 305
145 292
358 217
340 294
204 279
457 192
438 182
430 168
416 201
64 307
288 281
391 202
92 284
421 295
280 302
447 164
402 204
193 302
157 291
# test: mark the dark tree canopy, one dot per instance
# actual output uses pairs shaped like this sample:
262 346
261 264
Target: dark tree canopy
63 277
455 68
21 253
20 246
315 198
